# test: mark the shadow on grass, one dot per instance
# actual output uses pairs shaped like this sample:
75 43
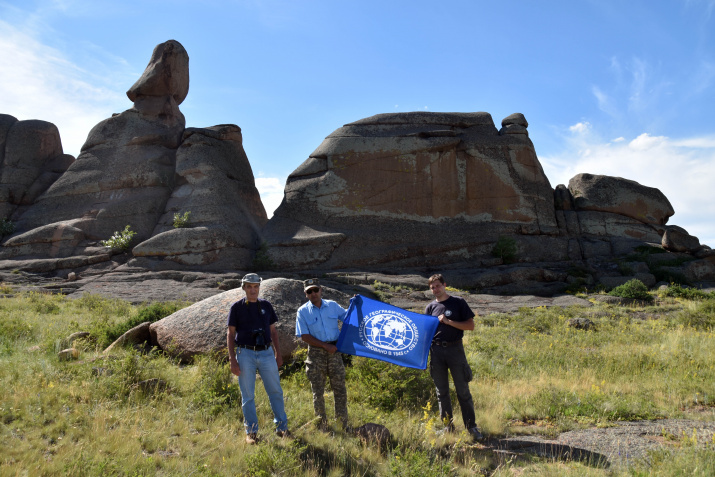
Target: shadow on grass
324 460
547 450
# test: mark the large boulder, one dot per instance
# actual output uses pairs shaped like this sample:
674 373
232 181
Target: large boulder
125 172
215 185
31 159
620 196
201 328
411 189
677 239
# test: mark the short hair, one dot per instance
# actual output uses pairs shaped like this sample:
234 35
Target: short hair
437 277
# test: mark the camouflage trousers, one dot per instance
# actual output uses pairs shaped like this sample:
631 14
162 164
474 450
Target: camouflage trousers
320 364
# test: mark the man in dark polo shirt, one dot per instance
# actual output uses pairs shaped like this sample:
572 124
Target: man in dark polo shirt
253 346
447 354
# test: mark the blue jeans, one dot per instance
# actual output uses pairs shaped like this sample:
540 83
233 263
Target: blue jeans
265 363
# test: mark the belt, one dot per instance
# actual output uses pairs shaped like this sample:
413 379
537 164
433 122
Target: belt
255 348
445 344
332 342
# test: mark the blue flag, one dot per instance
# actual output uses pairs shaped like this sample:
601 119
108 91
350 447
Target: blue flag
377 330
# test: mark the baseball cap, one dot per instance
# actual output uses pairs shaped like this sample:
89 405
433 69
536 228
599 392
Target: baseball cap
251 278
311 283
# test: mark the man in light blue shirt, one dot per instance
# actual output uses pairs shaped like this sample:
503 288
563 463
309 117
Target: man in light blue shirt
317 324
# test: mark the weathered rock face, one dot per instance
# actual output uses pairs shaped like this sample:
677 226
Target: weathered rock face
136 168
411 189
620 196
677 239
125 172
31 160
224 230
201 328
389 192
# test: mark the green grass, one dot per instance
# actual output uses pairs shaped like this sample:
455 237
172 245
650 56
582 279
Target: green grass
89 417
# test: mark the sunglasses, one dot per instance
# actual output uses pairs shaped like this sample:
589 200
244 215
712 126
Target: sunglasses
313 290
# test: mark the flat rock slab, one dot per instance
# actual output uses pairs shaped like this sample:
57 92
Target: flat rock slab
487 304
620 445
151 287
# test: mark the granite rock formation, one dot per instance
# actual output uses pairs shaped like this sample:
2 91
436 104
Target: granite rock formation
412 189
620 196
404 193
224 230
136 168
31 160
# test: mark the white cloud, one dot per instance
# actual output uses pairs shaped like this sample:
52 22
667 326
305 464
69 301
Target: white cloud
40 82
580 127
683 169
645 142
271 190
605 103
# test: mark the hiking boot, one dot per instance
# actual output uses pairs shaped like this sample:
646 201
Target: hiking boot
474 432
251 438
284 434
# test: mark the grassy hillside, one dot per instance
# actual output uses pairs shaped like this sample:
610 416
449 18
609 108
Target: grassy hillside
138 413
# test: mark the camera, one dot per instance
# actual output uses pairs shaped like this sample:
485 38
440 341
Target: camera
259 338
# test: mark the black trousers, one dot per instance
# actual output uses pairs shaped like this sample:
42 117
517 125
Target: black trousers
453 360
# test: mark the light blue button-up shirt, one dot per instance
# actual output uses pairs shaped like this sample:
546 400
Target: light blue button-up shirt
320 323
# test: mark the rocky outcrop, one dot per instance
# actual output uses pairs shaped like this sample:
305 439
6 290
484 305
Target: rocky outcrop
125 172
223 231
31 160
136 168
677 239
411 189
620 196
201 328
420 191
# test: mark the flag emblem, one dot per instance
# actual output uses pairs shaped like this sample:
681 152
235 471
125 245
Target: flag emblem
389 330
381 331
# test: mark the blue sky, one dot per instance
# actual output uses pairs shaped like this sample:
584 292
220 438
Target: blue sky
623 88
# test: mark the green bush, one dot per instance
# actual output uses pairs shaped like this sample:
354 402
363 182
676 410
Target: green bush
106 333
632 289
386 385
120 240
13 328
263 261
678 291
506 249
181 220
215 390
663 275
7 227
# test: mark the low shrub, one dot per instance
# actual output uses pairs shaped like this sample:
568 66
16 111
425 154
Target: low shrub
106 333
181 220
386 385
664 275
506 249
262 260
676 290
215 390
7 227
120 240
632 289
